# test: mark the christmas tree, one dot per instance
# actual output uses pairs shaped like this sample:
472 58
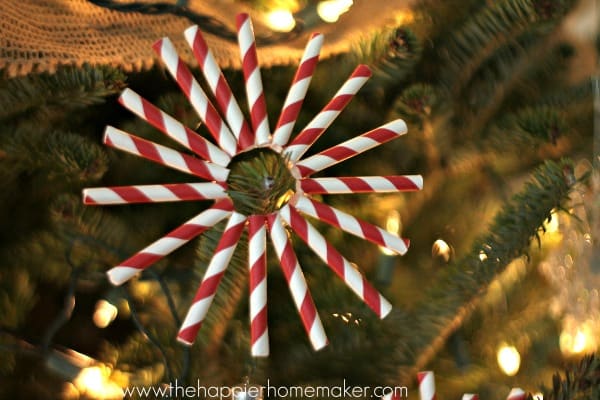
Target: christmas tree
498 288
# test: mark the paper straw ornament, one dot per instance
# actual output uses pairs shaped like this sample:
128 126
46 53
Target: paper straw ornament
173 128
210 282
220 88
170 242
257 265
254 87
351 147
470 396
362 184
321 121
234 135
297 283
154 193
346 271
188 84
352 224
163 155
293 101
426 385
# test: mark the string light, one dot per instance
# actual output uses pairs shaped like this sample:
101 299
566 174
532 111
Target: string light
280 20
94 382
509 359
441 249
104 314
331 10
577 339
393 223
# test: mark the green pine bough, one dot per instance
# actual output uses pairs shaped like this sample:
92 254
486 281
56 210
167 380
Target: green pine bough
450 300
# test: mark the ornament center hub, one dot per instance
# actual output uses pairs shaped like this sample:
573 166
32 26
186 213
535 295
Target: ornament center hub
260 182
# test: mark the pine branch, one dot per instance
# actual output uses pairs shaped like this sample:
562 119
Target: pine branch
67 89
492 28
391 53
452 298
579 382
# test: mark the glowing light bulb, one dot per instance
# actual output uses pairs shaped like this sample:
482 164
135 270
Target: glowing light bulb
280 20
392 225
94 383
552 225
104 314
509 359
330 10
441 249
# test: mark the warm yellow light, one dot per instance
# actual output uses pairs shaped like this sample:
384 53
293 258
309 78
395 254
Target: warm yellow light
280 20
577 342
441 249
90 379
392 225
104 314
552 225
509 359
482 256
94 383
330 10
538 396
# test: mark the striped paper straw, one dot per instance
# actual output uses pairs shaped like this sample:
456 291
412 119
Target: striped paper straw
257 263
362 184
517 394
470 396
210 282
297 283
154 193
188 84
351 147
321 121
426 385
346 271
227 103
124 141
172 128
170 242
352 225
254 87
295 97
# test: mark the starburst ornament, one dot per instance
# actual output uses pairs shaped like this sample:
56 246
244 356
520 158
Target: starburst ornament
258 181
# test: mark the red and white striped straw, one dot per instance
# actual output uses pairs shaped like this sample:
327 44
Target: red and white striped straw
124 141
321 121
154 193
362 184
295 97
470 396
172 128
210 282
342 267
254 86
226 102
351 147
352 225
297 283
517 394
188 84
170 242
257 264
426 385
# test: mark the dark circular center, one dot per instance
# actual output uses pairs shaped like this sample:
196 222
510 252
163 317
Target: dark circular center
260 182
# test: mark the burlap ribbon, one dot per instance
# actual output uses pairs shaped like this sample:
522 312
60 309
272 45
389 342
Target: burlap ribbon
39 35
